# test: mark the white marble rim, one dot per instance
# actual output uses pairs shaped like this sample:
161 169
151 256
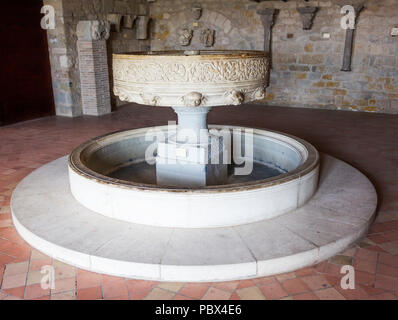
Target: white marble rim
208 207
309 154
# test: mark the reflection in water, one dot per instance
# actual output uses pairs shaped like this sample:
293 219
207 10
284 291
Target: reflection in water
144 173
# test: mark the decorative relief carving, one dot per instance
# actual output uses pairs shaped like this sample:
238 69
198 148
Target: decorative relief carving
259 93
122 95
307 15
207 37
214 71
175 79
196 11
92 30
235 97
149 99
128 21
192 99
185 36
115 19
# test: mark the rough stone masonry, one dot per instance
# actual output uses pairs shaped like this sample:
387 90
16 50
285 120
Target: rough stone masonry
94 75
62 43
306 63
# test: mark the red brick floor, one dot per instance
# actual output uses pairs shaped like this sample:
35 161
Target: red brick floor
367 141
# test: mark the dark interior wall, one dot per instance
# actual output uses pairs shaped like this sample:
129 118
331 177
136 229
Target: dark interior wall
25 77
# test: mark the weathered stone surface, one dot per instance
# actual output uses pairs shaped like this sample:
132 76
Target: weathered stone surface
316 52
94 77
307 15
185 37
63 46
90 30
238 26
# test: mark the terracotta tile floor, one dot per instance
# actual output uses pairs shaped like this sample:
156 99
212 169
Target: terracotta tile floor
367 141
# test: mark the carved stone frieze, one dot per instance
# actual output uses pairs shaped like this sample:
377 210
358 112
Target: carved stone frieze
150 100
174 79
191 72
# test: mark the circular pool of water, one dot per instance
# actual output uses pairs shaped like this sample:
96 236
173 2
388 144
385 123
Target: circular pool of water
110 175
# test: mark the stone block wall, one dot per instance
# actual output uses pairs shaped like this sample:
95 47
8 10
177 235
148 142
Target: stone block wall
94 77
61 63
305 64
62 43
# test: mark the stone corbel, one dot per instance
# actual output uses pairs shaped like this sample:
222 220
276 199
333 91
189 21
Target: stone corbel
115 19
128 21
349 40
142 27
307 15
267 19
265 0
92 30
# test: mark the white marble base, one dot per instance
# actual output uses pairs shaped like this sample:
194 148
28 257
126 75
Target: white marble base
49 218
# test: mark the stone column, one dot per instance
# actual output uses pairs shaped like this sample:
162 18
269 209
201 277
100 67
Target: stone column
93 65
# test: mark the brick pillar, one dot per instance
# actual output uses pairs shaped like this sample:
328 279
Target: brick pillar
93 65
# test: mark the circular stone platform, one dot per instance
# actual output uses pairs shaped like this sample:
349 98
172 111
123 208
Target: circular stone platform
49 218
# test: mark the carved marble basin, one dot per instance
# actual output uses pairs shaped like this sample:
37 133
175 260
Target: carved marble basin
191 78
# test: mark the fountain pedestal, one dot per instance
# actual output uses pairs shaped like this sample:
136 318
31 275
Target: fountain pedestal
193 83
192 157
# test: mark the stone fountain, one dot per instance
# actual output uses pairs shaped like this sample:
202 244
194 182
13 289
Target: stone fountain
192 201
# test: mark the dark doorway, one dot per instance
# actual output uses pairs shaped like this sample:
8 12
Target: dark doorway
25 77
